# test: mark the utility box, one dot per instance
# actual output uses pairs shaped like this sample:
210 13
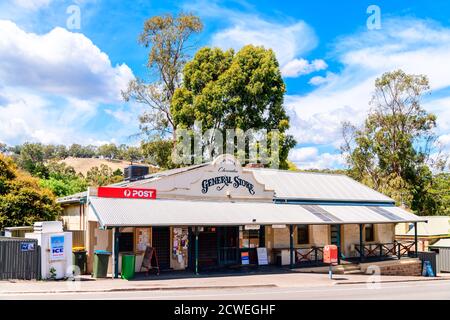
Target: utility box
56 249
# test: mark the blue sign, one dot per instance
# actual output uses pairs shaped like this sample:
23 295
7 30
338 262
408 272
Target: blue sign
57 247
26 246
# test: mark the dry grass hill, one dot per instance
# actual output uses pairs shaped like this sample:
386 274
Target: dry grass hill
83 165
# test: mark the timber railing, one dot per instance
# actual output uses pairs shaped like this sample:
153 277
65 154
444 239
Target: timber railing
309 255
383 250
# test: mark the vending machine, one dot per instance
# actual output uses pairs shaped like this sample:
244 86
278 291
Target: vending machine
56 249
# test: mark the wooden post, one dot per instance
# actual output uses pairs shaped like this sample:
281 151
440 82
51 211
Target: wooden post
196 249
339 243
116 251
361 243
415 240
291 246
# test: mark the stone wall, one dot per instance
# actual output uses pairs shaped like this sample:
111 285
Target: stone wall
403 267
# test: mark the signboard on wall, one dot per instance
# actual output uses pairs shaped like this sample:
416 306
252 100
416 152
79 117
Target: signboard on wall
57 247
245 258
26 246
130 193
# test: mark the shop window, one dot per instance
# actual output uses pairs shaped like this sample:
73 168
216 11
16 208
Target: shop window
302 234
126 242
250 239
369 233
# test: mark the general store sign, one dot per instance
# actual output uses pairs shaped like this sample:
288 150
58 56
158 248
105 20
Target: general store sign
131 193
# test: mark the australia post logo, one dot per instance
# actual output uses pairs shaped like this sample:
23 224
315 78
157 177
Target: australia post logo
132 193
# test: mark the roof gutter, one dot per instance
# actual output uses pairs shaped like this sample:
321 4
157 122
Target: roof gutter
334 203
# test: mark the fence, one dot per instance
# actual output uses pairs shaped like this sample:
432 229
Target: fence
19 258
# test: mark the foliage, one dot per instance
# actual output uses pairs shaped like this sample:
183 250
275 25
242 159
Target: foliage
228 90
440 191
158 152
22 200
167 36
32 158
103 176
63 180
391 152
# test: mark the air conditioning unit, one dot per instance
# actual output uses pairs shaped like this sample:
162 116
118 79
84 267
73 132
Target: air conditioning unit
135 172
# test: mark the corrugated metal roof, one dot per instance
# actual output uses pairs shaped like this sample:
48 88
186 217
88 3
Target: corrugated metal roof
442 243
316 186
134 212
436 226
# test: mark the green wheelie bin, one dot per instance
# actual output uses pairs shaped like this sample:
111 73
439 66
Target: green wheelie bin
79 260
128 265
101 259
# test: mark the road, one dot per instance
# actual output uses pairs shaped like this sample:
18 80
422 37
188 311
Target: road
400 290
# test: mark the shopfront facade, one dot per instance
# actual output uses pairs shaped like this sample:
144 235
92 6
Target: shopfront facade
217 215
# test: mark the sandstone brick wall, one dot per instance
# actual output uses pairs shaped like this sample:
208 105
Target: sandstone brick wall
407 267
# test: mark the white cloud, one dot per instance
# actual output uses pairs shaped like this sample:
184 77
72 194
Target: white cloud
310 158
290 40
297 67
415 46
59 62
32 4
54 86
319 80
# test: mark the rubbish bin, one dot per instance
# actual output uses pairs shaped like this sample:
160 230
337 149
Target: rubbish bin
79 260
101 259
128 263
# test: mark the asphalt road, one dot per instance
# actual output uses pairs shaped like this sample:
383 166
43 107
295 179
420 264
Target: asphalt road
401 290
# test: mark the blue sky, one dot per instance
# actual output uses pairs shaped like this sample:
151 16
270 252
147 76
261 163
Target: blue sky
60 85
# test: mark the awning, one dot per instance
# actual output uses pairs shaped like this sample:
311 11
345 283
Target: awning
111 212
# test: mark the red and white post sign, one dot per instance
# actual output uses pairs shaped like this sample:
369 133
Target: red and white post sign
330 254
130 193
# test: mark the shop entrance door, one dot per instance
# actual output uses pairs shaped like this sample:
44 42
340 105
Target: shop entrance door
228 245
207 248
161 242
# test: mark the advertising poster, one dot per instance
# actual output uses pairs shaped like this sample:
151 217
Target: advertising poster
57 247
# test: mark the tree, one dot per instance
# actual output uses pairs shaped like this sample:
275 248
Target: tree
391 152
22 200
3 147
158 152
63 180
31 159
228 90
167 36
109 151
103 176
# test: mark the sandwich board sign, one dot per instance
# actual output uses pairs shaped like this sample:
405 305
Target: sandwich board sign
262 256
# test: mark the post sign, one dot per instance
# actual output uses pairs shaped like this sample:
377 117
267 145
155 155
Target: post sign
330 254
57 247
131 193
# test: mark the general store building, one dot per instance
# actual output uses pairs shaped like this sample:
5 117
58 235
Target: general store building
206 216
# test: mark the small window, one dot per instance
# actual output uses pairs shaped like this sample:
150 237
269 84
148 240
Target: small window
369 232
126 242
302 234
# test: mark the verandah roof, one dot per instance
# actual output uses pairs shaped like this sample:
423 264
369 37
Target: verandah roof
112 212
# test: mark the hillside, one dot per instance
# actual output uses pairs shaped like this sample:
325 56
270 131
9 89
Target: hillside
83 165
